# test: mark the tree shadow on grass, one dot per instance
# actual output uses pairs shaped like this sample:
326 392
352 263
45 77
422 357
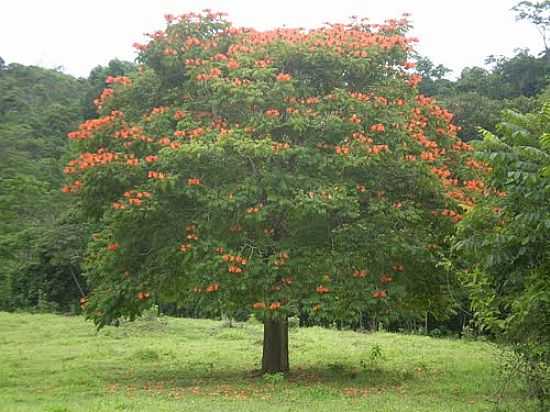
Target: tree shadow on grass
202 378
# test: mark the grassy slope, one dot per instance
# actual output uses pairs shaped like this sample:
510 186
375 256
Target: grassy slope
59 364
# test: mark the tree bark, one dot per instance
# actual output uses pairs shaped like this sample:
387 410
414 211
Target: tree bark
275 348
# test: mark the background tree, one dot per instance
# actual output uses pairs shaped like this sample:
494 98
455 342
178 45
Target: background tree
505 240
37 108
283 171
537 13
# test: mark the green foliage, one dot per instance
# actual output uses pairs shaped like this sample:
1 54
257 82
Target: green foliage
96 82
287 178
537 13
479 95
505 240
37 108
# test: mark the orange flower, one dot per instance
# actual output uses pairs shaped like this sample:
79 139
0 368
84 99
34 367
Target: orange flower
379 127
272 113
186 247
379 294
355 119
385 279
343 150
258 305
360 274
234 269
112 247
275 306
398 268
193 181
233 64
283 77
322 290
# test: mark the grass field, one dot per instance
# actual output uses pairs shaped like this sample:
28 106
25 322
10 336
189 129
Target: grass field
61 364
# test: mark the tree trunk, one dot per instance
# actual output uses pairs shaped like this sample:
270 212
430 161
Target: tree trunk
275 351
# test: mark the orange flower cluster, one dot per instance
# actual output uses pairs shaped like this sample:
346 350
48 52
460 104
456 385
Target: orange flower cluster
212 74
112 247
462 146
194 62
342 39
254 210
169 52
87 160
321 290
213 287
379 127
279 147
86 128
235 263
156 175
379 294
281 259
134 133
124 80
385 279
477 165
131 160
232 64
143 296
103 97
342 150
191 231
272 113
414 80
135 198
379 148
74 187
258 306
362 138
355 119
192 134
360 274
275 306
191 235
283 77
475 185
193 181
185 247
398 267
454 216
362 97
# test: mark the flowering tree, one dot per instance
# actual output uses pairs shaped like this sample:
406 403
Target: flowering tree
283 171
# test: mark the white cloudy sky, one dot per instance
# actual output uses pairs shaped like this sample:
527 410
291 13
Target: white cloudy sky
80 34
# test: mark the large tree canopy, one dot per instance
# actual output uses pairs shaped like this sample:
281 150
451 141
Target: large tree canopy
285 171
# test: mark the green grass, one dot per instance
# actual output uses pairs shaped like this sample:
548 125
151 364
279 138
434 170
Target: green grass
61 364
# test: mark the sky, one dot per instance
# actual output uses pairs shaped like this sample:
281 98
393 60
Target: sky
78 35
